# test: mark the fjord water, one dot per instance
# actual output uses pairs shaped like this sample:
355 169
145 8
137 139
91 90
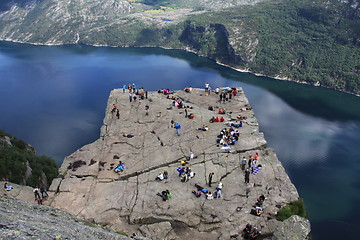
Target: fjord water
55 97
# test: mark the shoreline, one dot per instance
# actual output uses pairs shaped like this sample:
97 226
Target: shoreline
242 70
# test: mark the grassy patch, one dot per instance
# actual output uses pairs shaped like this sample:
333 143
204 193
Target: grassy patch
294 208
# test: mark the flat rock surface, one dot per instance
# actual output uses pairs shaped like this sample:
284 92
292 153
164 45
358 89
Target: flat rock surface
148 145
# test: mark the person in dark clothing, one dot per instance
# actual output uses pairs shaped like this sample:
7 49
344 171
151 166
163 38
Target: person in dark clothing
250 162
210 178
117 113
43 192
114 108
247 175
36 193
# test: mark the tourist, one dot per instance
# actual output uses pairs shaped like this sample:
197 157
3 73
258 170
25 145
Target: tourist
217 90
209 195
210 178
160 177
165 195
197 193
206 87
43 191
243 163
217 193
250 161
191 156
114 108
165 174
7 187
259 202
203 128
147 109
199 188
130 96
191 174
119 167
247 175
36 193
124 88
257 211
177 126
219 186
117 113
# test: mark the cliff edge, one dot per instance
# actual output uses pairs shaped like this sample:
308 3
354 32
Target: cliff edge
147 144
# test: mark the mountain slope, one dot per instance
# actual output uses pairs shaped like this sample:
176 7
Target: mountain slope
317 42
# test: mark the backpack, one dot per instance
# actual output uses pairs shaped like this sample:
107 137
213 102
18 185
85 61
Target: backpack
177 125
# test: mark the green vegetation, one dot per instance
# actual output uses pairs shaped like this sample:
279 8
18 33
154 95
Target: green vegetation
15 157
294 208
302 40
312 41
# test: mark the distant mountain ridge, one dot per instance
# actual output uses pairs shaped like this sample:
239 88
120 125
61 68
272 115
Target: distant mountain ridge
315 42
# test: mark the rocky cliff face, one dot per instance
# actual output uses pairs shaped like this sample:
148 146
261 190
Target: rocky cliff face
148 145
22 220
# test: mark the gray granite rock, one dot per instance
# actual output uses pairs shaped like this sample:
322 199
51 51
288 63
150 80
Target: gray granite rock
23 220
148 145
293 228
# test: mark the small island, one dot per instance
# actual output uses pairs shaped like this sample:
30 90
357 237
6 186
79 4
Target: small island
217 133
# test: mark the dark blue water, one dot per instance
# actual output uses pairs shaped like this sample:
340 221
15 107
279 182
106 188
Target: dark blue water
55 98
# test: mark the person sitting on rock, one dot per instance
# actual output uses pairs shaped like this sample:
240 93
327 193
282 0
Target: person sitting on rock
191 116
199 188
197 193
160 177
184 177
209 195
191 174
221 111
250 232
165 195
165 174
7 187
259 201
181 170
212 120
119 167
203 128
257 211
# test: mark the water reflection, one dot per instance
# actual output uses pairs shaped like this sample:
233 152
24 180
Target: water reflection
54 98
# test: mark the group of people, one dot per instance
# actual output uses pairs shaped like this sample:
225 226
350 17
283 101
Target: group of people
228 136
165 195
250 232
185 173
208 194
39 199
162 176
226 95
